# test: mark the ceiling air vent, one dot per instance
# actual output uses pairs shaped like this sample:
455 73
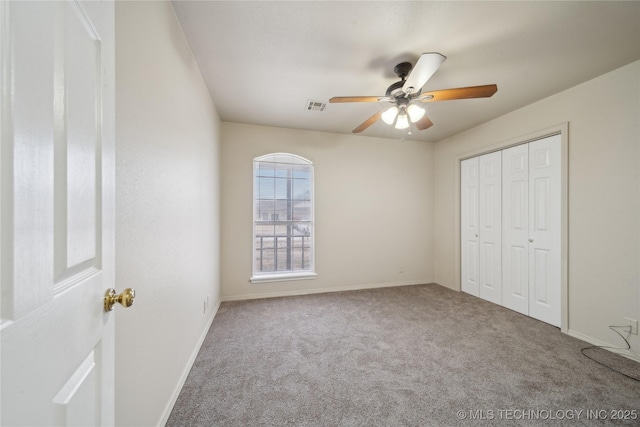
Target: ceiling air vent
316 105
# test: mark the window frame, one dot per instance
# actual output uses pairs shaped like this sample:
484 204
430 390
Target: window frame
282 275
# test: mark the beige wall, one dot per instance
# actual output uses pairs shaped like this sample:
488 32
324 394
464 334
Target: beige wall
373 209
167 207
603 196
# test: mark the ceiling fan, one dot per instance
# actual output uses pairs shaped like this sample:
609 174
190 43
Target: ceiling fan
405 95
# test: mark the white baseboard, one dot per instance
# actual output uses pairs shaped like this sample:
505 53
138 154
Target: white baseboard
322 290
187 369
593 341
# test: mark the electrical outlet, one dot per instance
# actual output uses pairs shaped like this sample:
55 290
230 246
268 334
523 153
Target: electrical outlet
633 323
204 306
400 269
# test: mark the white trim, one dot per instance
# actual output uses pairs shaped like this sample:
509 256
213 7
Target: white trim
283 277
324 290
593 341
187 368
563 130
271 158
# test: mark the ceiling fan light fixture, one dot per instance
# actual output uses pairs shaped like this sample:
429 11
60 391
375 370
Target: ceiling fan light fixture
389 115
403 93
415 112
403 121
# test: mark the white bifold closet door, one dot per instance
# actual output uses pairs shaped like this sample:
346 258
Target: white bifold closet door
469 227
531 229
481 226
515 228
490 241
510 228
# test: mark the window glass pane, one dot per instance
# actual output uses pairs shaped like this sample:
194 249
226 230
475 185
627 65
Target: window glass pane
266 188
282 170
264 231
282 210
301 189
302 172
281 230
301 229
297 253
281 260
307 258
302 211
281 188
265 210
266 169
265 261
267 242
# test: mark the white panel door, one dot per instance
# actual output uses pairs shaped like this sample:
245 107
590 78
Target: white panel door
490 212
469 259
544 230
515 228
57 219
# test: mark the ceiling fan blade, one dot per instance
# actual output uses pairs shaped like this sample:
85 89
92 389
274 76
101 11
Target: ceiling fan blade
427 65
423 123
337 99
371 120
459 93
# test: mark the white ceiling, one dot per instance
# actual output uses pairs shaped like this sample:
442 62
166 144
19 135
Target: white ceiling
262 61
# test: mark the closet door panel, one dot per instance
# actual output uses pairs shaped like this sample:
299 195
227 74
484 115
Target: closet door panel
469 226
544 230
515 228
490 213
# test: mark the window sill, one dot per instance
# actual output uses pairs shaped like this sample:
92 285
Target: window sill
283 277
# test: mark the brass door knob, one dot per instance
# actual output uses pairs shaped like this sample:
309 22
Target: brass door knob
125 299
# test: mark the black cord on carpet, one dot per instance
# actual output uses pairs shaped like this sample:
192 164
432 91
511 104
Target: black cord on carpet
613 328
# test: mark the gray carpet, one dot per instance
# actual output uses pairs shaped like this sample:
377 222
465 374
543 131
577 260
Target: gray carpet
407 356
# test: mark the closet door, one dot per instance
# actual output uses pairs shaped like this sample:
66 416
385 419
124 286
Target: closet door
544 230
469 226
515 228
490 212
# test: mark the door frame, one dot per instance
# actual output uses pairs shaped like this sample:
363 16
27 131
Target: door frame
563 130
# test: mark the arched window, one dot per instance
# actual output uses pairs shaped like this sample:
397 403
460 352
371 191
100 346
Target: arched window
282 218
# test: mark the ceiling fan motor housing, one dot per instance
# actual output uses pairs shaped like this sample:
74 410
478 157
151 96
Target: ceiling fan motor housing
403 69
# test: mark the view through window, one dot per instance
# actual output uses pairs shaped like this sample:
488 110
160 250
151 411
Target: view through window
283 214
